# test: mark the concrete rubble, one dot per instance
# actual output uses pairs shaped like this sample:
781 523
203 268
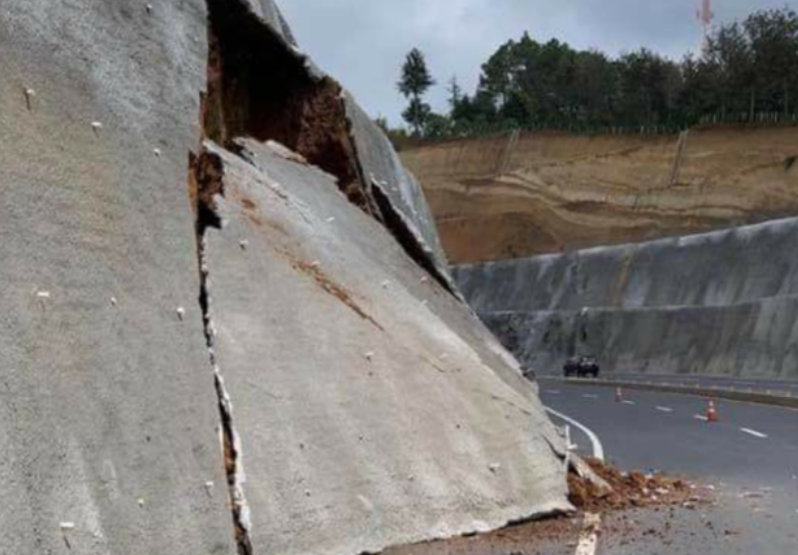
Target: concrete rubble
201 354
724 303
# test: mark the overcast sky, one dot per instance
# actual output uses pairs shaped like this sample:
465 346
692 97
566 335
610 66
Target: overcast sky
363 42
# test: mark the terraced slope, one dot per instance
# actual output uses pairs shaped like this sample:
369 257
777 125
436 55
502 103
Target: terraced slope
506 197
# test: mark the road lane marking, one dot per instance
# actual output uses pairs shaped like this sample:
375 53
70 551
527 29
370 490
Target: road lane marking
754 433
588 540
664 409
553 392
700 417
598 448
590 396
629 403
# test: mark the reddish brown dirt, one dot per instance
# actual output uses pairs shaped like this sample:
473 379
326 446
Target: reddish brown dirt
629 490
272 97
335 290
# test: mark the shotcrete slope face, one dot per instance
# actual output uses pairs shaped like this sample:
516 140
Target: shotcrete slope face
347 402
719 303
366 420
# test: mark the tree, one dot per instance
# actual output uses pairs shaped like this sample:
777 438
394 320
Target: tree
496 78
747 68
414 83
773 39
417 114
728 55
455 93
595 84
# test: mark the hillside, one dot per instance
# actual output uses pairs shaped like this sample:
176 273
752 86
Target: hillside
507 197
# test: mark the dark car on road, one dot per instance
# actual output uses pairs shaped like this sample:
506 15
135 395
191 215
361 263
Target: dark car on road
582 367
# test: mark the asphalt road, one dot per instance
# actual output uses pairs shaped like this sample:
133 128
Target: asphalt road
749 458
739 384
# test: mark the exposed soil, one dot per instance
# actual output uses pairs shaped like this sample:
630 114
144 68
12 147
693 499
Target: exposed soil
629 490
559 192
259 88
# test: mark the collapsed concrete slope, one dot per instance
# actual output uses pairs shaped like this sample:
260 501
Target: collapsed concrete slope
224 345
366 419
719 303
512 196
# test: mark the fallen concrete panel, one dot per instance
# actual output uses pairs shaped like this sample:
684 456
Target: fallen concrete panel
108 416
382 168
372 409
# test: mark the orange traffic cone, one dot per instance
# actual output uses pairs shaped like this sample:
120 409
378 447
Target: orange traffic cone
712 414
618 395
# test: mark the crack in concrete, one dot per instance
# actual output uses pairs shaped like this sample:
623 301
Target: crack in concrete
260 86
206 174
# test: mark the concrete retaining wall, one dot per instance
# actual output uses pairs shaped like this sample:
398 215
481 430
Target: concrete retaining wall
719 303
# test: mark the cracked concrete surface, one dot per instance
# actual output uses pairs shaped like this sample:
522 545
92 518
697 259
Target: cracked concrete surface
108 415
357 432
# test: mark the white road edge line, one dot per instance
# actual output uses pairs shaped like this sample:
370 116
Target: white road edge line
598 448
754 433
664 409
588 539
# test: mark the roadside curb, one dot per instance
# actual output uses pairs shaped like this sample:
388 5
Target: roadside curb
727 394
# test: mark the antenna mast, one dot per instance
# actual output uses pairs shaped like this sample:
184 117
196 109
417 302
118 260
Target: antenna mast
705 16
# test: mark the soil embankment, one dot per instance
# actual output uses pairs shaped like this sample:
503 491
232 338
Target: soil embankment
502 197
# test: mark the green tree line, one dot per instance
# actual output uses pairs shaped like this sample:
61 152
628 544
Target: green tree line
747 71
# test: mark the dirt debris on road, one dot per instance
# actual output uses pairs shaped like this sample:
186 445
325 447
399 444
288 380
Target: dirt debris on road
629 498
629 490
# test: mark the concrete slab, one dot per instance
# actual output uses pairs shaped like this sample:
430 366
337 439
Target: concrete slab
108 416
365 420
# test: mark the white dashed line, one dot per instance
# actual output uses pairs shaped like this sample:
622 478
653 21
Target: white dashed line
754 433
553 392
664 409
700 417
590 396
629 403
